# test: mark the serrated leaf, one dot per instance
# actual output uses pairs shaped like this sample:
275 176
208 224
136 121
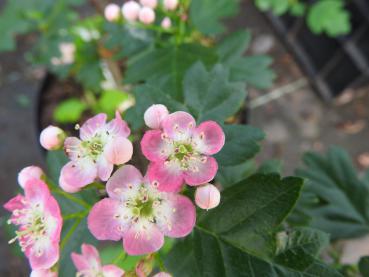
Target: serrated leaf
206 15
329 16
242 143
69 111
334 197
233 46
210 95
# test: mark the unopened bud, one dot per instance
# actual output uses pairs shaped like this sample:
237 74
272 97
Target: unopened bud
146 15
131 10
166 23
52 138
170 5
207 197
154 115
112 12
28 173
149 3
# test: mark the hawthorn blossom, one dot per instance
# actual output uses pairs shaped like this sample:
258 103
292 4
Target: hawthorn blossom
88 264
149 3
52 138
162 274
154 115
130 11
181 152
207 197
146 15
166 23
112 12
39 219
28 173
67 51
139 213
170 5
93 156
43 273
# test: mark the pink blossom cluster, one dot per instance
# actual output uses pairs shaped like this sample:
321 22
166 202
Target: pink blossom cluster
138 209
142 11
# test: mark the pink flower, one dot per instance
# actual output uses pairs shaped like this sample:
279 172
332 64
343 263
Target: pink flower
101 146
38 215
130 10
170 5
154 115
140 214
89 264
52 138
43 273
29 173
207 197
162 274
181 152
146 15
149 3
166 23
112 12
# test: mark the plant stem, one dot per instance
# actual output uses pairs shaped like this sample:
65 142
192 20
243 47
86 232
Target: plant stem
119 257
71 198
160 262
70 232
75 215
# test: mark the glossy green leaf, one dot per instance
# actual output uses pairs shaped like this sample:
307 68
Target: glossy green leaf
69 111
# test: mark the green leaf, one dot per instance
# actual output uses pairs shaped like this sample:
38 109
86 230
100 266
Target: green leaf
69 111
206 15
210 95
242 143
278 7
110 101
271 166
334 197
364 266
233 46
230 175
329 16
173 61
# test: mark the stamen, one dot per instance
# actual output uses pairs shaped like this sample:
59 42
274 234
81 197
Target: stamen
202 135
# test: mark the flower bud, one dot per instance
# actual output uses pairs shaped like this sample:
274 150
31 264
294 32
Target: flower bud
52 138
112 12
28 173
131 10
170 5
144 267
154 115
162 274
146 15
149 3
207 197
166 23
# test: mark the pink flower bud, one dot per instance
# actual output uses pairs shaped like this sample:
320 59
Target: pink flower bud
207 197
170 5
149 3
112 12
154 116
166 23
146 15
52 138
28 173
131 10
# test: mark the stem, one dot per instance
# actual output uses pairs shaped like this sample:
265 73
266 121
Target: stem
71 198
119 257
75 215
160 262
70 232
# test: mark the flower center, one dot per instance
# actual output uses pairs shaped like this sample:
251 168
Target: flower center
94 147
182 151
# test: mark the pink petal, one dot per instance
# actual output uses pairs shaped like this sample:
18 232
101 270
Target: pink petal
118 126
92 256
104 168
49 255
80 262
207 197
183 217
154 115
72 147
203 171
162 274
143 242
52 212
102 221
119 150
14 203
67 187
122 179
29 172
77 174
36 191
43 273
92 126
179 125
209 138
169 176
154 147
112 271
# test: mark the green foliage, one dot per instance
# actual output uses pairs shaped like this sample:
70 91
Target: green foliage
364 266
239 237
335 197
278 7
69 111
206 15
110 100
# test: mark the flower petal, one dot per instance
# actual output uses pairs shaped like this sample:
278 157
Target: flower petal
119 150
125 178
92 256
104 168
80 262
183 217
102 221
53 218
201 172
43 254
72 147
118 127
36 191
112 271
139 241
168 175
92 126
77 174
209 138
15 203
154 147
43 273
179 125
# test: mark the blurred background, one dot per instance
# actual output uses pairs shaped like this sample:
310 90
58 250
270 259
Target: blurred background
320 97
